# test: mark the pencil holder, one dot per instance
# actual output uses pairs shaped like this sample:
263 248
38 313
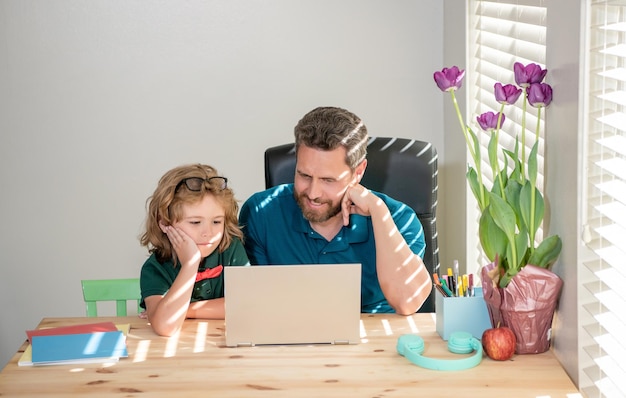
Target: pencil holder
467 314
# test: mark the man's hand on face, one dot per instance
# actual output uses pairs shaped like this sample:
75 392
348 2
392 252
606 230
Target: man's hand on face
356 200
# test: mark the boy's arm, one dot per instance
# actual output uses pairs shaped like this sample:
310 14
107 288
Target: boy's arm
207 309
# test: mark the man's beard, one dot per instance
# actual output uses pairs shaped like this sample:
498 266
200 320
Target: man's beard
313 216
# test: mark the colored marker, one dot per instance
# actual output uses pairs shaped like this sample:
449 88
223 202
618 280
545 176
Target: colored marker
457 282
444 286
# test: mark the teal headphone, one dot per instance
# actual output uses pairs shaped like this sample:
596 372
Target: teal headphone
411 346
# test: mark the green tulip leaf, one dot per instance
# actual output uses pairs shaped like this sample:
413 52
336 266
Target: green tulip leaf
492 240
476 187
503 215
512 191
525 200
522 245
476 150
495 189
516 173
546 254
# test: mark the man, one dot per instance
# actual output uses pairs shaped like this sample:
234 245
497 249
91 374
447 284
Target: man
326 216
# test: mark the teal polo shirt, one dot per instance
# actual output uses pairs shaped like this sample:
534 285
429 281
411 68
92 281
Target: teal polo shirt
276 233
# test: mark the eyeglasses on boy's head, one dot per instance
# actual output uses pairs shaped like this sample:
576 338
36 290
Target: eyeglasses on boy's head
195 183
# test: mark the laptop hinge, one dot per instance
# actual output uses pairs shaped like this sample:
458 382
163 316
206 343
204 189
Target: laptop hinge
341 342
245 345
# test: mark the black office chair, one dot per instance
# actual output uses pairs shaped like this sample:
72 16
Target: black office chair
402 168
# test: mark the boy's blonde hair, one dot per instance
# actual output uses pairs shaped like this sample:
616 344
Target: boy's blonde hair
166 206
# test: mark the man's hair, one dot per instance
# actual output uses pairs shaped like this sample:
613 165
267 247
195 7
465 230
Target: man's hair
166 206
327 128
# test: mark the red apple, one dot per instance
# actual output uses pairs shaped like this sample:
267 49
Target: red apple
499 343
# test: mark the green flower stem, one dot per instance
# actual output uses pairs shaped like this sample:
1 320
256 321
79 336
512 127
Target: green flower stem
458 114
533 199
496 168
531 227
523 174
538 123
471 149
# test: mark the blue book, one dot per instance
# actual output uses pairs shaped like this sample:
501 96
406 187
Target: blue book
95 347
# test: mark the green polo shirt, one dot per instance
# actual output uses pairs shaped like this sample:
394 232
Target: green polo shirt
276 232
157 277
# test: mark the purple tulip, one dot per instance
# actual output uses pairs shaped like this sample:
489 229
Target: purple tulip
449 78
507 94
489 120
539 94
529 74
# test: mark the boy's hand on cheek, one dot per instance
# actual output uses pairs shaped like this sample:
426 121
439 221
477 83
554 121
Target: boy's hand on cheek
186 249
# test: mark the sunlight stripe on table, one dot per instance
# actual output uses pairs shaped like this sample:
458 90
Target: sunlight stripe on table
201 332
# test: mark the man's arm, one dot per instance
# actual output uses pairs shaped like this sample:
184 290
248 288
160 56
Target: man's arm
402 275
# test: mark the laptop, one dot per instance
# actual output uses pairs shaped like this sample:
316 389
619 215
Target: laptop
292 304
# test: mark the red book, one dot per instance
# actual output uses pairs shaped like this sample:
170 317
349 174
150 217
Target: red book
74 329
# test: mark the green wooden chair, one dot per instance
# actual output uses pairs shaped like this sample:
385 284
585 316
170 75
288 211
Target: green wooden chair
118 290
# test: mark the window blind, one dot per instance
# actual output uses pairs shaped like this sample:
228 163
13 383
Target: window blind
602 367
500 34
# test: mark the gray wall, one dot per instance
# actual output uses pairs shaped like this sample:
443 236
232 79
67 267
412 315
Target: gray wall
98 99
564 137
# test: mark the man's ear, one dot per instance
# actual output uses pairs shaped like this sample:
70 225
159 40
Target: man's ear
360 170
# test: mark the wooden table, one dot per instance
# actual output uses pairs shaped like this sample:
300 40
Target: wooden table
196 363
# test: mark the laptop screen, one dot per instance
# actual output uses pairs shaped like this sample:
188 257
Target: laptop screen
292 304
